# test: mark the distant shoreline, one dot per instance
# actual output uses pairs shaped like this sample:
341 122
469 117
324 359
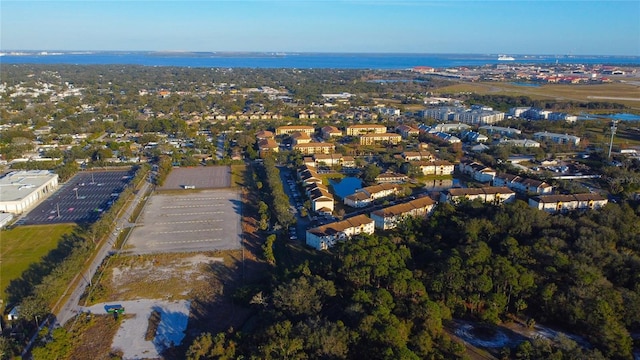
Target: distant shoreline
380 61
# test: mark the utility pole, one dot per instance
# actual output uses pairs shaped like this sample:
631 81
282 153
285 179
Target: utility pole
58 208
613 132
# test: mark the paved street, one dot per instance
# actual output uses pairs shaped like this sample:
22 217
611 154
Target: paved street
70 308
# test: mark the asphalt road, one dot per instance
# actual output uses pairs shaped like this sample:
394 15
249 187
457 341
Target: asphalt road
71 307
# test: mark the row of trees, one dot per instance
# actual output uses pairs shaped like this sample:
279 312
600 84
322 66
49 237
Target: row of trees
274 196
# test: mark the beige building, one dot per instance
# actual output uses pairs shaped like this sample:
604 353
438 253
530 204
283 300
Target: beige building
267 146
330 131
564 203
356 130
436 167
315 148
370 139
300 138
290 129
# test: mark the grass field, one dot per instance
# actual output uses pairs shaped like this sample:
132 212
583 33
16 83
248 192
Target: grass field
25 245
238 175
560 92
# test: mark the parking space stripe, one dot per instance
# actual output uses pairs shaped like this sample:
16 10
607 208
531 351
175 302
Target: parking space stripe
188 222
187 231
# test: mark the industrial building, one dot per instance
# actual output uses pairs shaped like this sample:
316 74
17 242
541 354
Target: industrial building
21 190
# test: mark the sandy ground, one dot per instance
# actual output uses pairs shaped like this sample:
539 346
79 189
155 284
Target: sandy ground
130 338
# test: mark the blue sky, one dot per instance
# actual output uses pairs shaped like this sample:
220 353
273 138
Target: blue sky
482 26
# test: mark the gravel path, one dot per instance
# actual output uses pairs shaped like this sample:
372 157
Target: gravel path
130 338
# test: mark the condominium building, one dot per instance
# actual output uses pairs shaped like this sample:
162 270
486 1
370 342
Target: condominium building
370 139
557 138
356 130
564 203
326 236
522 185
314 148
290 129
491 194
389 217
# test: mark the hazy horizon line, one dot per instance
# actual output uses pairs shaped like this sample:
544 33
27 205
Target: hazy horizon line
289 52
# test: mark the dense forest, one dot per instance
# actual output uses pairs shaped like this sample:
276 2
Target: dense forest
390 295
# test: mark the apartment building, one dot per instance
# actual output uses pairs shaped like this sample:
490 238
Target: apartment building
374 138
290 129
389 217
357 130
522 185
491 194
315 148
557 138
326 236
564 203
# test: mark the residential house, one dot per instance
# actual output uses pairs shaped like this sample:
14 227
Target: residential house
326 236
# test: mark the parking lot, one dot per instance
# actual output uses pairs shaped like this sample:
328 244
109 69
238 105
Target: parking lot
82 199
209 177
194 221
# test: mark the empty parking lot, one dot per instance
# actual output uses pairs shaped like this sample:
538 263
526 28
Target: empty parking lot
209 177
193 221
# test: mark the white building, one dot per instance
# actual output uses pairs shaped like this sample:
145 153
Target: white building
557 138
326 236
477 171
365 196
20 190
491 194
522 185
437 167
388 218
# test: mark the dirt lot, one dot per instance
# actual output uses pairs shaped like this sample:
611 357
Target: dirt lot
186 288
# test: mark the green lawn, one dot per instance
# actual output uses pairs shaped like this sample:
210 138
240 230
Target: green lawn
24 245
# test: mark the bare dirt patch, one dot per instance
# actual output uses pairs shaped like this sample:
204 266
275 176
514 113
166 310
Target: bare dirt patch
160 276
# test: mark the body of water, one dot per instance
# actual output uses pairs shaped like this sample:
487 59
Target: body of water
346 186
296 60
442 184
526 84
618 116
